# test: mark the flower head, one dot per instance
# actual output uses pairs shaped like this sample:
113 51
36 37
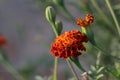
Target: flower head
2 40
69 44
88 20
81 22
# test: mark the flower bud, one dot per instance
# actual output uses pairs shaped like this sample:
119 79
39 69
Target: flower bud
59 27
59 2
50 14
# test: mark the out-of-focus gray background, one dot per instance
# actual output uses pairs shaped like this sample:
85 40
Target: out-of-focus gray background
24 25
28 35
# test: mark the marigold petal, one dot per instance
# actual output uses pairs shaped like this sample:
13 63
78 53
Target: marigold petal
84 23
69 44
89 18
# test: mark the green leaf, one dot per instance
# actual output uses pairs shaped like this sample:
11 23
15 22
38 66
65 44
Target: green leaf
100 69
99 76
59 27
93 68
77 63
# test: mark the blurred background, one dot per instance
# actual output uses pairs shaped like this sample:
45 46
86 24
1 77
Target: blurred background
29 35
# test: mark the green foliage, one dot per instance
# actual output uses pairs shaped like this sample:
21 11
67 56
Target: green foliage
59 27
43 78
50 14
97 69
105 30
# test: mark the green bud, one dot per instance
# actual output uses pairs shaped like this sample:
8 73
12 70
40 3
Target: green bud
59 27
59 2
50 14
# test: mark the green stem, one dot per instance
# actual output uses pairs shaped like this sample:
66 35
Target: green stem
72 69
90 35
103 51
55 69
10 68
113 15
113 73
56 59
54 28
77 63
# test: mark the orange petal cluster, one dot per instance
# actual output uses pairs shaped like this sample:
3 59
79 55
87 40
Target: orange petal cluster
69 44
88 20
2 41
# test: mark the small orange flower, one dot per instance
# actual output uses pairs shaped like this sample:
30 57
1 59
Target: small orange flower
81 22
69 44
2 40
88 20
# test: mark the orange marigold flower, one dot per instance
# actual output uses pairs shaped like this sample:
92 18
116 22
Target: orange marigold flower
81 22
69 44
88 20
2 40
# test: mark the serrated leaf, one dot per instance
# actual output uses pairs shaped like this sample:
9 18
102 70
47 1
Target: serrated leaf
93 68
71 79
89 72
99 76
50 78
100 69
39 78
